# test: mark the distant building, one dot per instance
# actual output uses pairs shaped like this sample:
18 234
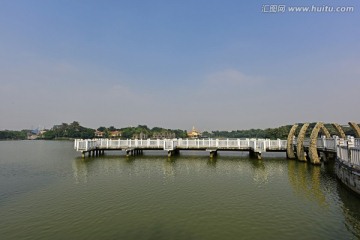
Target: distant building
35 134
42 132
99 134
140 136
194 133
115 134
31 136
164 135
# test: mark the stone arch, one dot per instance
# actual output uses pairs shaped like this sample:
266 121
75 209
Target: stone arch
356 129
314 157
339 130
290 147
300 143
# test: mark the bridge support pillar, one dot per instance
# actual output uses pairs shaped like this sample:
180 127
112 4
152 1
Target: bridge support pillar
174 152
256 155
213 154
170 153
129 153
327 156
83 154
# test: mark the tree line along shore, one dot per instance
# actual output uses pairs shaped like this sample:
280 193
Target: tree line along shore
75 130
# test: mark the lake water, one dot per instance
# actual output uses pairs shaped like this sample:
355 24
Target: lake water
48 192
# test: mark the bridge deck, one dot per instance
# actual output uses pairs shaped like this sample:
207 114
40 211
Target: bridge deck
256 145
347 150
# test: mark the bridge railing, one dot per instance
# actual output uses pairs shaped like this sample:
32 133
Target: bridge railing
306 142
170 144
350 153
323 143
275 144
355 156
342 153
357 142
214 143
257 145
326 143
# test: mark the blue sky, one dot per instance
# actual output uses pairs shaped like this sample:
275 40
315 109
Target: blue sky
213 64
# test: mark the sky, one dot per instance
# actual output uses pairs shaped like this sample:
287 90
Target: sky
215 65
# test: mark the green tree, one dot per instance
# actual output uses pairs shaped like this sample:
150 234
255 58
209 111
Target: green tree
101 129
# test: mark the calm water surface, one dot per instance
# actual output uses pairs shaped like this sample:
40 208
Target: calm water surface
48 192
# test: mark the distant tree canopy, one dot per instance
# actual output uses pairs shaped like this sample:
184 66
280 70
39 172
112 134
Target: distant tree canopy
129 132
75 130
72 130
14 135
101 129
272 133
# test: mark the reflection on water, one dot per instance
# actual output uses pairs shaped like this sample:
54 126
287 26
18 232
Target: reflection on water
190 196
305 180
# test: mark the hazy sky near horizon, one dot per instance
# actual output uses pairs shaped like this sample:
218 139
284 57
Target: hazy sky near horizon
216 65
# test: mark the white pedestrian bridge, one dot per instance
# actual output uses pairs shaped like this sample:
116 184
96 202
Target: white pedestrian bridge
301 147
173 146
346 150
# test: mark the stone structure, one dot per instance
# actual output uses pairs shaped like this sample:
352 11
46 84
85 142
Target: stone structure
356 129
348 175
300 143
313 154
339 130
290 147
